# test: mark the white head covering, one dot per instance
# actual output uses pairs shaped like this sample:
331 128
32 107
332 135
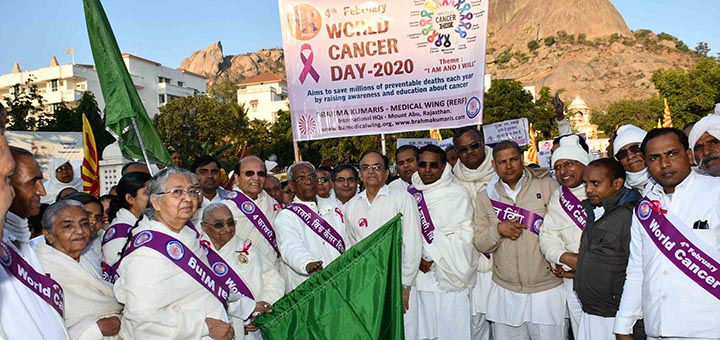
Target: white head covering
628 134
709 124
570 149
53 186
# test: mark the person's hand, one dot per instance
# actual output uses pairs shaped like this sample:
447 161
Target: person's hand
425 265
220 330
406 298
560 272
250 328
624 337
314 267
109 326
261 307
558 108
569 259
511 229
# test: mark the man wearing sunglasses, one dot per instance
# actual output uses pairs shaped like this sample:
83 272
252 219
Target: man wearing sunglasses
705 145
565 219
474 170
526 300
252 207
449 262
372 208
627 151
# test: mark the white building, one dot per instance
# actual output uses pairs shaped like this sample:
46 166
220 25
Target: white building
263 96
156 84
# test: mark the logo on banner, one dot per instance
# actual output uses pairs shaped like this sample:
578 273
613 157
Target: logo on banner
307 125
304 22
418 197
446 23
5 257
248 207
537 224
142 238
231 195
175 250
473 107
109 234
644 210
220 269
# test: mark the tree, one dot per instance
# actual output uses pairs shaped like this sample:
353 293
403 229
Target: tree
507 100
89 106
642 113
225 91
25 107
692 94
63 118
702 49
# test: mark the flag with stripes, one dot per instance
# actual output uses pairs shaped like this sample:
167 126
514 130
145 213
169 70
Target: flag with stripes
532 153
435 134
90 170
667 118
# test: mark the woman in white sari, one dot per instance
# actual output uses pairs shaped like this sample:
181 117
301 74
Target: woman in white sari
133 199
91 310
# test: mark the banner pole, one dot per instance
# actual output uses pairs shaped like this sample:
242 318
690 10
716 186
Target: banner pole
296 151
382 141
142 145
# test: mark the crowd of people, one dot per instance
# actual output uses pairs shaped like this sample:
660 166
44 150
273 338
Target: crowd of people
624 247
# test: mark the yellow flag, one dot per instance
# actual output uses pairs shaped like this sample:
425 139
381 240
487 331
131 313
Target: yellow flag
667 117
435 134
71 51
659 123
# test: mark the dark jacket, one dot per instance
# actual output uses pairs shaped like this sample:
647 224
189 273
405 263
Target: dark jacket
604 253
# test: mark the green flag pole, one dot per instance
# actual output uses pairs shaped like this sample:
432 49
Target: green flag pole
142 145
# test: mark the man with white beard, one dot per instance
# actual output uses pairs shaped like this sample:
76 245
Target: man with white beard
705 145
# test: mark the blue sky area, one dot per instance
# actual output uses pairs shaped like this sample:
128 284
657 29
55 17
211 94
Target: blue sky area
32 31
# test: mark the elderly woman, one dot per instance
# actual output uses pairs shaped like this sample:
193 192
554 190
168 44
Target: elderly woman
95 211
259 275
61 177
133 199
165 280
91 310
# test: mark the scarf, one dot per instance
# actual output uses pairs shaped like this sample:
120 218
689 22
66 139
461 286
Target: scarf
482 174
16 229
637 180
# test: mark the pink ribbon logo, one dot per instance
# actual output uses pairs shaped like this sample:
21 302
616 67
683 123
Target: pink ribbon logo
307 64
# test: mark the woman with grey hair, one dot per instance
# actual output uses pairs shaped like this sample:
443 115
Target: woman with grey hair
91 310
169 288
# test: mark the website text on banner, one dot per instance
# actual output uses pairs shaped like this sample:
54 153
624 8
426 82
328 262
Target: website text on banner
366 67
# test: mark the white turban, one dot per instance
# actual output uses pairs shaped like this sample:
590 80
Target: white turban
709 124
628 134
570 149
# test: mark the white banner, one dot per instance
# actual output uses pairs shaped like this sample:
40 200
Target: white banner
48 145
360 67
420 142
514 129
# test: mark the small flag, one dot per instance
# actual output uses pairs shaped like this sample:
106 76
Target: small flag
90 173
667 117
659 123
71 50
532 153
435 134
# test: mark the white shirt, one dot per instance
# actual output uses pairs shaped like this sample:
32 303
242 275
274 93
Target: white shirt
245 229
364 217
671 304
300 245
111 250
399 184
559 233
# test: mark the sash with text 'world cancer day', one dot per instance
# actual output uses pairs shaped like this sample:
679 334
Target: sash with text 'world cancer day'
178 253
220 267
505 212
255 215
572 206
694 257
427 227
118 230
43 286
318 225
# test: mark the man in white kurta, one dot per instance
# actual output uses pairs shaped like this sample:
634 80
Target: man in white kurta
449 264
371 209
672 305
473 171
303 251
161 300
250 183
406 160
559 237
23 314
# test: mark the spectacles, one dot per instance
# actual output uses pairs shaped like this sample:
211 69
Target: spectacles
376 167
322 180
433 165
342 180
179 192
472 146
624 153
311 177
64 167
220 225
250 173
565 165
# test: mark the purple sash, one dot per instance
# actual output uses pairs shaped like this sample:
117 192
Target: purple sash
178 253
117 230
43 286
255 216
427 227
109 273
680 246
221 268
573 207
506 212
317 224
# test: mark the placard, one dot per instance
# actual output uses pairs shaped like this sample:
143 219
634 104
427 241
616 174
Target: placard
514 129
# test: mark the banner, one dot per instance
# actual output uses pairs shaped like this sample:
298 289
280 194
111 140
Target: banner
420 142
365 67
514 129
48 145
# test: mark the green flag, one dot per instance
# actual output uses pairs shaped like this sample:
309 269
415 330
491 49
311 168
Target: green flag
122 102
358 296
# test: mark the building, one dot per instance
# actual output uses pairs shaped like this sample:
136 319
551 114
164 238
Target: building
156 84
579 115
263 96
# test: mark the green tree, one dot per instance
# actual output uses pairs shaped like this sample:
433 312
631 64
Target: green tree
63 118
225 91
25 107
643 113
507 100
690 94
89 106
702 49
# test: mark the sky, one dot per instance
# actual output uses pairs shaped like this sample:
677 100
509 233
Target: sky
32 31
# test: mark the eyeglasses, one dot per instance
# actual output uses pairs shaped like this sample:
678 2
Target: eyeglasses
64 167
250 173
220 225
376 167
311 177
179 192
433 165
322 180
565 165
342 180
472 146
624 153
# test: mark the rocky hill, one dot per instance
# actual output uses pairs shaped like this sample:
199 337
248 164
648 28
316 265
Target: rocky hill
578 47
